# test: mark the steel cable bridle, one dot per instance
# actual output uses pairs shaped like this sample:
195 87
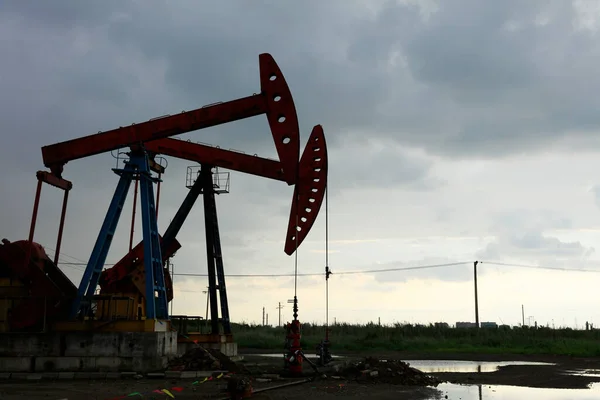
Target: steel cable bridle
327 262
296 262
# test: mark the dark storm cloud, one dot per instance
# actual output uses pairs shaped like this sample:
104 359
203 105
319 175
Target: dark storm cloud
470 78
457 83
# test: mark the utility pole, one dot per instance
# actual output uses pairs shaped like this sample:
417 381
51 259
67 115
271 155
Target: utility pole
476 296
263 324
279 307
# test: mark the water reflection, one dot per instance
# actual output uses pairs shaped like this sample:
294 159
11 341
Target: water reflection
280 355
480 392
431 366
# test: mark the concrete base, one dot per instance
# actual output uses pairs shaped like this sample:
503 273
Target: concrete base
229 349
86 351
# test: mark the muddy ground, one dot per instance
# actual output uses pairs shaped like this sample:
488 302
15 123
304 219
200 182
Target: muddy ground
555 376
547 376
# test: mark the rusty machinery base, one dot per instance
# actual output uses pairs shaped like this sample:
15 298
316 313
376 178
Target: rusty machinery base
86 351
101 346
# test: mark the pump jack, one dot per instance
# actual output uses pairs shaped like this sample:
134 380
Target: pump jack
146 140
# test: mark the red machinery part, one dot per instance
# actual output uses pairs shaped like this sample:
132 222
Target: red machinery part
217 157
113 279
311 184
49 290
282 117
275 100
293 358
309 191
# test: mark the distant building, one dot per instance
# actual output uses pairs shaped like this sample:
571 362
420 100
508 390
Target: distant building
489 325
466 325
442 325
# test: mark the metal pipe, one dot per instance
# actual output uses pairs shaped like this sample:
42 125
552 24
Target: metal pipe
135 193
36 204
61 226
282 385
273 387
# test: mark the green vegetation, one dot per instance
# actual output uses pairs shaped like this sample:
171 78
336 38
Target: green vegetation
430 339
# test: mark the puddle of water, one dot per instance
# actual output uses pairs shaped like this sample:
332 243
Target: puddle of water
280 355
481 392
431 366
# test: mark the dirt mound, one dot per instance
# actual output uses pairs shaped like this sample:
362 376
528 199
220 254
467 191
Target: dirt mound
394 372
201 359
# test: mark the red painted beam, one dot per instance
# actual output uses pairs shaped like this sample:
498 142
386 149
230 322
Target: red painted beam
275 100
217 157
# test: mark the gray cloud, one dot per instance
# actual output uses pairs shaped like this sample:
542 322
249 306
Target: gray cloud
466 79
437 268
595 190
545 250
520 234
508 221
456 82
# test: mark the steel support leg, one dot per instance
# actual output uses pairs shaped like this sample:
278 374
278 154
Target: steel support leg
90 278
182 213
61 227
156 298
220 269
156 293
216 272
207 187
36 205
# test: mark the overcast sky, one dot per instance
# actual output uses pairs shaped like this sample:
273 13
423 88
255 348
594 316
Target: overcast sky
458 130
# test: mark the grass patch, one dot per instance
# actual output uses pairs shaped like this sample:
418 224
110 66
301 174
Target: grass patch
431 339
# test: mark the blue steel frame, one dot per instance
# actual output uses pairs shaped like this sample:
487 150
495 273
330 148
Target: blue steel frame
137 167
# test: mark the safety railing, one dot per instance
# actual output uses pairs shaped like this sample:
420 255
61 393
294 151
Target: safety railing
221 180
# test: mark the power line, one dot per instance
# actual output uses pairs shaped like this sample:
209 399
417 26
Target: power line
538 267
371 271
81 263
